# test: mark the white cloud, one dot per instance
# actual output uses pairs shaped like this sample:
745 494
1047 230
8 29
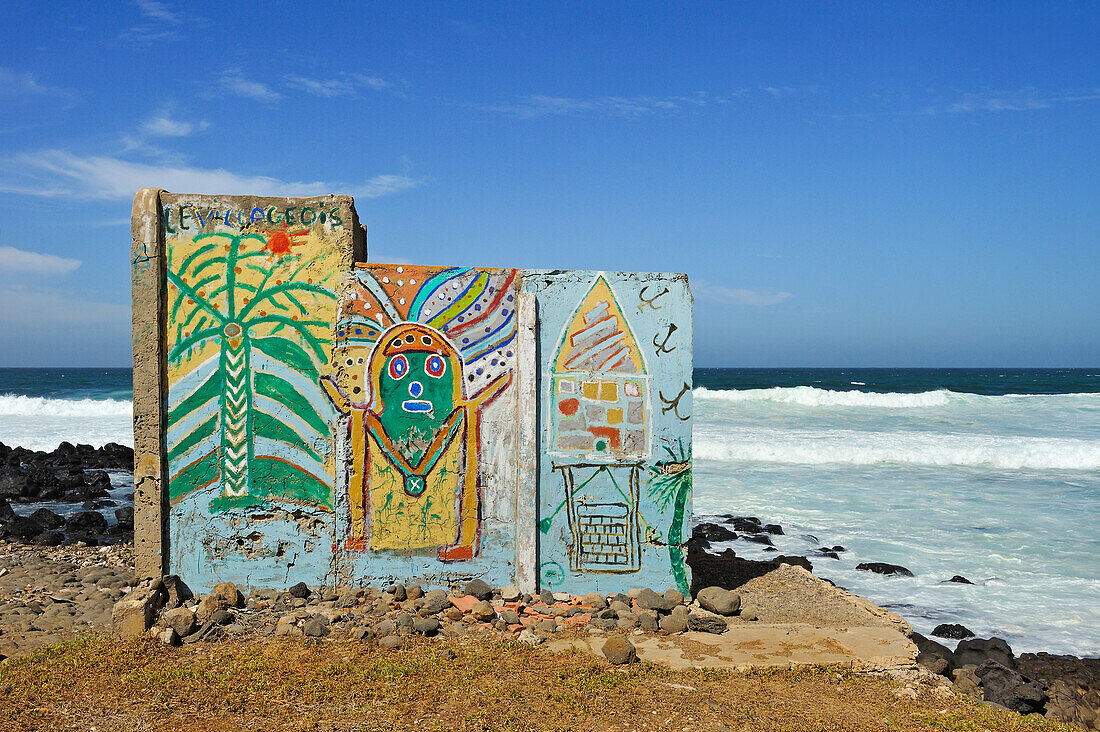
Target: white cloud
21 83
346 85
163 125
384 185
534 106
704 290
53 173
1014 100
20 263
155 10
233 82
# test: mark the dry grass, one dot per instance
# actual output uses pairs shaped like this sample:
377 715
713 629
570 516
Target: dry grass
284 684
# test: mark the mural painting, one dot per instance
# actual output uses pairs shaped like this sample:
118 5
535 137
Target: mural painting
319 419
250 316
615 478
426 353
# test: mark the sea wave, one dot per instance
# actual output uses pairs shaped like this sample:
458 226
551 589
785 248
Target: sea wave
822 447
14 405
811 396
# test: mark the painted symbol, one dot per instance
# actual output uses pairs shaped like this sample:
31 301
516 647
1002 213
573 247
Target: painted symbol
650 300
673 405
662 347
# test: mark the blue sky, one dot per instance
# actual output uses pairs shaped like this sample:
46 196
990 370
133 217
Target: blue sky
846 184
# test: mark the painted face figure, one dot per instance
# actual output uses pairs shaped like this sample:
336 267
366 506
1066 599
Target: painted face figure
417 387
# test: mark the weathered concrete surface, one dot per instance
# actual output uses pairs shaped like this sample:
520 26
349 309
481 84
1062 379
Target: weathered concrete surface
150 385
803 620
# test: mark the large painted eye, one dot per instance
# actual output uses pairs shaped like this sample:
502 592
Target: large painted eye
399 366
435 366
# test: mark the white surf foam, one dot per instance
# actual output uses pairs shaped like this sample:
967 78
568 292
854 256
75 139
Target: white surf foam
811 396
13 405
906 448
39 423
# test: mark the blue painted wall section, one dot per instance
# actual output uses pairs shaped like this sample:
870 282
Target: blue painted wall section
615 429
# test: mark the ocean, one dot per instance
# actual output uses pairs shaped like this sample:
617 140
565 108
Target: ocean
992 474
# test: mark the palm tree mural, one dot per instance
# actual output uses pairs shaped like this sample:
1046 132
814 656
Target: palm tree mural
249 331
671 486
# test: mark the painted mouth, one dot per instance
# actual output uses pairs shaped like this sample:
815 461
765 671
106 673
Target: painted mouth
416 405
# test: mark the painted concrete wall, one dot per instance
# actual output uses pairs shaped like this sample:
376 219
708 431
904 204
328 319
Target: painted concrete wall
615 434
301 415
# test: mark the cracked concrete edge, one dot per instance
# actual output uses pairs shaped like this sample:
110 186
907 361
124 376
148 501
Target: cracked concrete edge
149 290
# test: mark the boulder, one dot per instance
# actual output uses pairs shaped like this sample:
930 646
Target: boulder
674 596
314 628
960 579
976 651
426 626
618 650
675 623
479 589
933 656
176 592
796 561
390 643
413 592
712 532
483 611
594 600
774 529
91 522
436 601
135 613
1009 688
719 601
953 631
47 519
229 591
125 517
647 599
300 591
179 619
210 605
884 568
702 621
745 524
49 538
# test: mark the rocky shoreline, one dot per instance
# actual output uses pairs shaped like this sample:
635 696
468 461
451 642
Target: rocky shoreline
64 576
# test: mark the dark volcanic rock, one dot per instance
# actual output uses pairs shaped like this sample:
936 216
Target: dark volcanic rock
725 570
125 517
960 579
796 561
7 513
1009 688
953 631
91 522
884 568
933 656
745 524
712 532
47 519
758 539
775 529
976 651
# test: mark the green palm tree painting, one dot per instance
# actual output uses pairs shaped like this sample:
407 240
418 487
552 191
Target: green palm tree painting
250 321
670 486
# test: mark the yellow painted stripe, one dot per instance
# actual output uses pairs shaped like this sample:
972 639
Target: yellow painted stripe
476 290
